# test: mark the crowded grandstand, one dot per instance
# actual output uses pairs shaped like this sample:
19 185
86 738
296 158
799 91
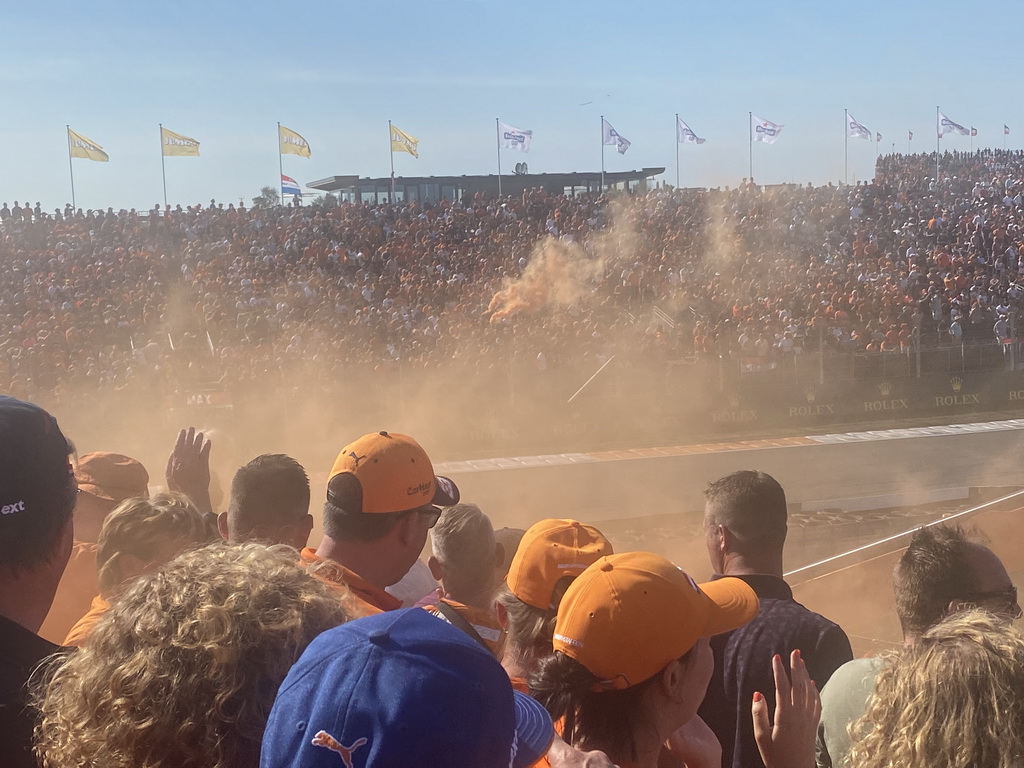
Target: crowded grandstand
371 614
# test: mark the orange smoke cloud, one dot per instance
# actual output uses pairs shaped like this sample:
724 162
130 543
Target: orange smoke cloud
558 274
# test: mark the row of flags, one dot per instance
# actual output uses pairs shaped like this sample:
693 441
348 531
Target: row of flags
856 130
509 137
172 145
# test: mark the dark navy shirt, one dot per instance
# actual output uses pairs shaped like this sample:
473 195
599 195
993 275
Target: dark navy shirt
743 664
20 653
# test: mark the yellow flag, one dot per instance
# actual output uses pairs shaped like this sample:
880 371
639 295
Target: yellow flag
175 145
87 148
403 142
292 143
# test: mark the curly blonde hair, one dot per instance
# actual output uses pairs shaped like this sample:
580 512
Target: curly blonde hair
183 670
139 527
953 699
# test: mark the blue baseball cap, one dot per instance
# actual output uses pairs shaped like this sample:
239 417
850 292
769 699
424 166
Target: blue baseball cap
401 689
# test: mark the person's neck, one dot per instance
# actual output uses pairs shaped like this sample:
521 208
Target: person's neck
481 598
518 662
365 559
737 565
25 599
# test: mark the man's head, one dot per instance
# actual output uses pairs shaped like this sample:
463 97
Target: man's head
269 503
382 491
104 481
37 495
745 520
943 571
465 555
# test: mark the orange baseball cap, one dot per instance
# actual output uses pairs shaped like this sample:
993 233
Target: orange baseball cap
112 476
627 616
549 551
386 472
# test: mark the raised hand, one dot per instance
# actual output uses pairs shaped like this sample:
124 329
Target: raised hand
188 468
788 742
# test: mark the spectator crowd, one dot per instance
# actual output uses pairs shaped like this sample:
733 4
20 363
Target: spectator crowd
226 638
164 628
166 299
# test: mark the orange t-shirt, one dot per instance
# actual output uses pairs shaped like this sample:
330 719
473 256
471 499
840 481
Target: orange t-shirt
83 627
363 597
74 593
483 622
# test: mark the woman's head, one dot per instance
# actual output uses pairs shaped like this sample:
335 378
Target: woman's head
142 534
184 668
955 697
550 555
631 659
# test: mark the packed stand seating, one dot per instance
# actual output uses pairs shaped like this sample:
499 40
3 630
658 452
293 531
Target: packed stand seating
165 299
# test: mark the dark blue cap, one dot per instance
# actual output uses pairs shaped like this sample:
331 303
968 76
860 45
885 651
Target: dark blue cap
35 473
401 689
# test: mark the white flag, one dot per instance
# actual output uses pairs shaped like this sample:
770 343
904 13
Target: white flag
612 137
514 138
685 135
764 130
855 129
948 126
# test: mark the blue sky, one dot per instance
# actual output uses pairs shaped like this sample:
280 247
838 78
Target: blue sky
336 72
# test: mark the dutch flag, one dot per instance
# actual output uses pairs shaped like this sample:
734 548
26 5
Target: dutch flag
289 186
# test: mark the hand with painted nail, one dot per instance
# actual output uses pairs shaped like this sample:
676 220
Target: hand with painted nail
788 741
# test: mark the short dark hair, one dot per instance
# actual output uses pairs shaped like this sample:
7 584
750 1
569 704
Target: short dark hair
935 569
353 524
272 489
751 504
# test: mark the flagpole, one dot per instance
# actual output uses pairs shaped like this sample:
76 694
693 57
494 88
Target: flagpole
163 163
602 154
846 161
280 164
391 148
677 150
938 137
750 128
71 167
497 134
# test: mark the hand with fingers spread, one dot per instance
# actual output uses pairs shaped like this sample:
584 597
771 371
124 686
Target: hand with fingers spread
188 468
788 742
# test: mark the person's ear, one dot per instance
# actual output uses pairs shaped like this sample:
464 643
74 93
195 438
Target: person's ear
501 614
436 569
222 525
717 537
672 679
